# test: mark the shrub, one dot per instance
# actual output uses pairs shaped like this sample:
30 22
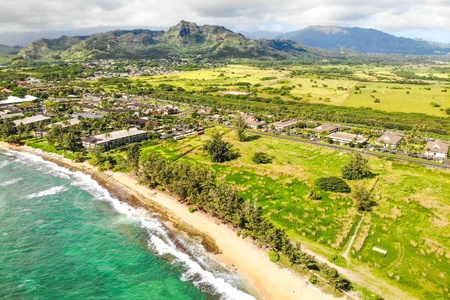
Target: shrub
192 209
274 256
313 279
261 158
333 184
313 195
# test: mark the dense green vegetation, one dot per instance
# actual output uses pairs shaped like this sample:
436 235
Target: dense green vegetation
332 184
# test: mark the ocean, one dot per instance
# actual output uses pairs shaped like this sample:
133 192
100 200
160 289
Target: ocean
63 236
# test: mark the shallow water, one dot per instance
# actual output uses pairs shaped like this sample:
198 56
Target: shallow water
62 236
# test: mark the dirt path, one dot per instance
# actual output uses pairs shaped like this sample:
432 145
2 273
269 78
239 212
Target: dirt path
352 240
363 276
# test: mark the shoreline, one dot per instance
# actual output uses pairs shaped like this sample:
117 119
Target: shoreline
239 255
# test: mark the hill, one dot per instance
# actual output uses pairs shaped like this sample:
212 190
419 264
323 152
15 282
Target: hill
48 49
363 40
9 50
7 53
185 39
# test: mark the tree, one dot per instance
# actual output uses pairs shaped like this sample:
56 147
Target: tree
218 149
363 200
357 168
133 155
240 127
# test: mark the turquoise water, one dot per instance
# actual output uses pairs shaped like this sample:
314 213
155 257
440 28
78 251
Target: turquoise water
62 236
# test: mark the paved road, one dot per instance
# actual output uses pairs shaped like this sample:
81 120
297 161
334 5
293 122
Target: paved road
445 166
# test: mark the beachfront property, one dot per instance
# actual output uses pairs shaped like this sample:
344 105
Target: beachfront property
31 120
41 132
389 140
437 149
345 138
285 124
114 139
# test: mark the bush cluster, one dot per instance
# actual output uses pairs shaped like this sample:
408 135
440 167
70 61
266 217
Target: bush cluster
333 184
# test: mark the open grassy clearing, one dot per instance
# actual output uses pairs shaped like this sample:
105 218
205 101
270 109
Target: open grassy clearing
411 219
334 85
401 97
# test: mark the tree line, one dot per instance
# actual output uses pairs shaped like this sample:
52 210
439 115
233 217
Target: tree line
196 185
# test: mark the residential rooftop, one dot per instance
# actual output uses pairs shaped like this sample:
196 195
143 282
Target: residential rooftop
31 120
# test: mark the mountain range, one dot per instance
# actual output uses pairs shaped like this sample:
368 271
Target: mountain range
188 40
363 40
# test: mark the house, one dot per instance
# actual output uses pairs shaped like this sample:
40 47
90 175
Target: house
389 139
252 122
285 124
10 116
31 120
325 128
437 149
115 138
86 116
142 122
67 123
345 138
17 100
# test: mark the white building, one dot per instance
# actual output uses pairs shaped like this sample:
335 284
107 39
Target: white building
345 138
115 138
437 149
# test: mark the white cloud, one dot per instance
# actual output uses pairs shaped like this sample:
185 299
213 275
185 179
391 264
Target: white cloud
273 15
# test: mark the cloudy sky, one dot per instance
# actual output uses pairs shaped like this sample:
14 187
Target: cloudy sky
427 19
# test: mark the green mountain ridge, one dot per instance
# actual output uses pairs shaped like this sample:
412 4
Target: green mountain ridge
186 39
334 38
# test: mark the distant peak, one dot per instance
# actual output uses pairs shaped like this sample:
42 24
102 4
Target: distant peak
328 29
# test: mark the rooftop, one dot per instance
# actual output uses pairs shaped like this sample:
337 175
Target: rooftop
118 134
324 128
350 137
285 123
438 146
31 120
390 138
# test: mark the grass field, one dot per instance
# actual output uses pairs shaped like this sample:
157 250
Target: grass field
337 85
411 220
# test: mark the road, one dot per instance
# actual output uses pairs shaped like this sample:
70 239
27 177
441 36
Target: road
445 166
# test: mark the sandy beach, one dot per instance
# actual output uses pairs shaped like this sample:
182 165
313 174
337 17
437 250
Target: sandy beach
240 255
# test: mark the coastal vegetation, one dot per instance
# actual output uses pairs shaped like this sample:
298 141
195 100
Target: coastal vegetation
392 201
284 194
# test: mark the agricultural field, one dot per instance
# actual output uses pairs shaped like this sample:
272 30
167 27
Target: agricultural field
410 221
380 88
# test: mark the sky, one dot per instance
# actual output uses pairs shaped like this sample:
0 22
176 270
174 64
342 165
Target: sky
425 19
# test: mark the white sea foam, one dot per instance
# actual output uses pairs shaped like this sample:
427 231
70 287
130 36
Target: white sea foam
51 191
196 273
4 163
199 270
10 182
